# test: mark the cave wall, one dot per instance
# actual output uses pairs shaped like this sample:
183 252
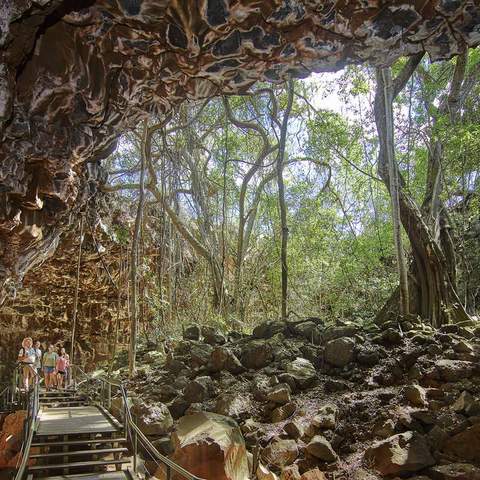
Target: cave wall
76 73
43 308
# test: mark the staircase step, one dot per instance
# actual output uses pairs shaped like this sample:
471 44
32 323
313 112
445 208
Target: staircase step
80 442
99 451
89 463
118 475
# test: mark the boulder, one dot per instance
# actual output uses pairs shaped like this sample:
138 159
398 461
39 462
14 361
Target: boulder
279 394
452 370
11 437
294 429
368 357
467 404
400 454
416 395
200 354
257 354
314 474
302 371
211 336
151 418
290 472
283 412
320 448
454 471
280 452
154 356
333 333
391 337
198 390
263 473
191 332
326 417
209 446
339 352
233 405
384 428
465 445
222 358
308 330
268 329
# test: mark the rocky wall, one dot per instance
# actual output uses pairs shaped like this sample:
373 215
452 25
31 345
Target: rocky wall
75 73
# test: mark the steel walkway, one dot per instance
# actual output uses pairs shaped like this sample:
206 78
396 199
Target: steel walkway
75 439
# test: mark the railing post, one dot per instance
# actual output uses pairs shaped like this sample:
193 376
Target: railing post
169 472
109 396
135 448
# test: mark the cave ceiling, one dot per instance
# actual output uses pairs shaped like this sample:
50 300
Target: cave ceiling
74 74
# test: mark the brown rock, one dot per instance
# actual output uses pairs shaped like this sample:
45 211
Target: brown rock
280 453
399 454
294 429
263 473
283 412
453 370
257 354
290 473
223 359
320 448
416 395
279 394
465 445
11 439
233 405
314 474
209 446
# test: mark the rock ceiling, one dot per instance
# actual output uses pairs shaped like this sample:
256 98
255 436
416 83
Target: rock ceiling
75 73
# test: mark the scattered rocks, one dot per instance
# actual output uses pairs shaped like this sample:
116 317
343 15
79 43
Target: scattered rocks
400 454
222 358
198 390
294 429
192 332
452 370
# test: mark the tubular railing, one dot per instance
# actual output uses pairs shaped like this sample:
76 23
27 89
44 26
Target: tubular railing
101 392
31 405
4 396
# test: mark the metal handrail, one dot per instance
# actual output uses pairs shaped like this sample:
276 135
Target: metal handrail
132 430
30 422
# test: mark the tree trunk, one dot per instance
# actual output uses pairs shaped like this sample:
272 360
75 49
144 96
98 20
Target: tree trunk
281 200
433 294
132 353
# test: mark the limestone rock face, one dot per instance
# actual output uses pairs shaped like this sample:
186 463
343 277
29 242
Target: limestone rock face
399 454
210 446
118 61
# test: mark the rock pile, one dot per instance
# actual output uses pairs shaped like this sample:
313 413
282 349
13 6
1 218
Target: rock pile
322 402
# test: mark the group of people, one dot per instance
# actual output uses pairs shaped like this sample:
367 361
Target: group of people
54 364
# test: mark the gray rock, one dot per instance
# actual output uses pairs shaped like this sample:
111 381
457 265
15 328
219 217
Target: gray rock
454 471
303 372
279 394
339 352
326 418
268 329
192 332
283 412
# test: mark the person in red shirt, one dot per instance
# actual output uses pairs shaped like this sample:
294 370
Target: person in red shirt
63 362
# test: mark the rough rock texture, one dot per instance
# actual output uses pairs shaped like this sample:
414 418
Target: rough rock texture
210 446
11 436
73 75
408 409
400 454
